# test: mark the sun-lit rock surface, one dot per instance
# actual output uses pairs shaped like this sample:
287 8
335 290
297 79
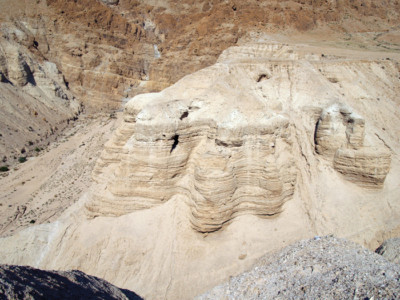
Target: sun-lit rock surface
340 133
226 165
222 138
227 156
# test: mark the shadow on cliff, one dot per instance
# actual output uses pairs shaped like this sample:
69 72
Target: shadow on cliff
20 282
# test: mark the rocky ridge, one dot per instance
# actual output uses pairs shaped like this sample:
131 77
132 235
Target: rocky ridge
233 161
110 50
104 52
19 282
35 102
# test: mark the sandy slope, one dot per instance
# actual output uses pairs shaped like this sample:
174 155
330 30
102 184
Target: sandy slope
155 251
40 189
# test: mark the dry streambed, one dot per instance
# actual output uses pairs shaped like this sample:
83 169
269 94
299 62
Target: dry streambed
40 189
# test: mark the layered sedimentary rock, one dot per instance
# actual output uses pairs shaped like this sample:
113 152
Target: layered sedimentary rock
111 50
35 100
340 134
367 167
227 152
338 127
184 180
226 162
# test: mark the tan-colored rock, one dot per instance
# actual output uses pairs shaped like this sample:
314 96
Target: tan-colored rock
226 163
338 127
366 167
339 136
36 104
232 143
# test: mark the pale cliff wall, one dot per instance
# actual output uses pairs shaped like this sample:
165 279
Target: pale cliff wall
187 180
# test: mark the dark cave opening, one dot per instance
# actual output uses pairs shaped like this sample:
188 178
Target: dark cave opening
176 142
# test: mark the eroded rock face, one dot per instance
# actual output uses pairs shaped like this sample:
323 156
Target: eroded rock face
340 134
216 150
35 99
338 127
226 162
366 167
114 49
228 152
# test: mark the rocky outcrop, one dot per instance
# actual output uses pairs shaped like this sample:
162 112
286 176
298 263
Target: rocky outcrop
390 249
35 99
191 175
366 167
338 127
20 282
112 50
326 267
227 163
339 134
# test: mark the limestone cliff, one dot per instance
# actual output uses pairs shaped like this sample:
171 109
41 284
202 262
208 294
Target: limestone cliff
340 134
295 133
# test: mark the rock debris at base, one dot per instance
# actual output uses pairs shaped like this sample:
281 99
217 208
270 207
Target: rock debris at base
390 249
319 268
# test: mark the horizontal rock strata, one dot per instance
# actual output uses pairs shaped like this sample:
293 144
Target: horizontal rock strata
223 138
340 134
224 172
367 167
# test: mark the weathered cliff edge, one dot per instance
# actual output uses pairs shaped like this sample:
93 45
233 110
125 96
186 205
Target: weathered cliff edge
308 141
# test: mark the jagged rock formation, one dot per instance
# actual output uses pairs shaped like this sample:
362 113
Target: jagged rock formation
227 163
326 267
19 282
338 127
340 133
390 250
183 182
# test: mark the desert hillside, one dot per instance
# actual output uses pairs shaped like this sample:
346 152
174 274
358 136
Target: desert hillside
108 50
59 58
273 143
163 137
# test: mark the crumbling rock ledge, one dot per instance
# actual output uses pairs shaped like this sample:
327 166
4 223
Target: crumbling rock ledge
225 166
223 138
340 134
